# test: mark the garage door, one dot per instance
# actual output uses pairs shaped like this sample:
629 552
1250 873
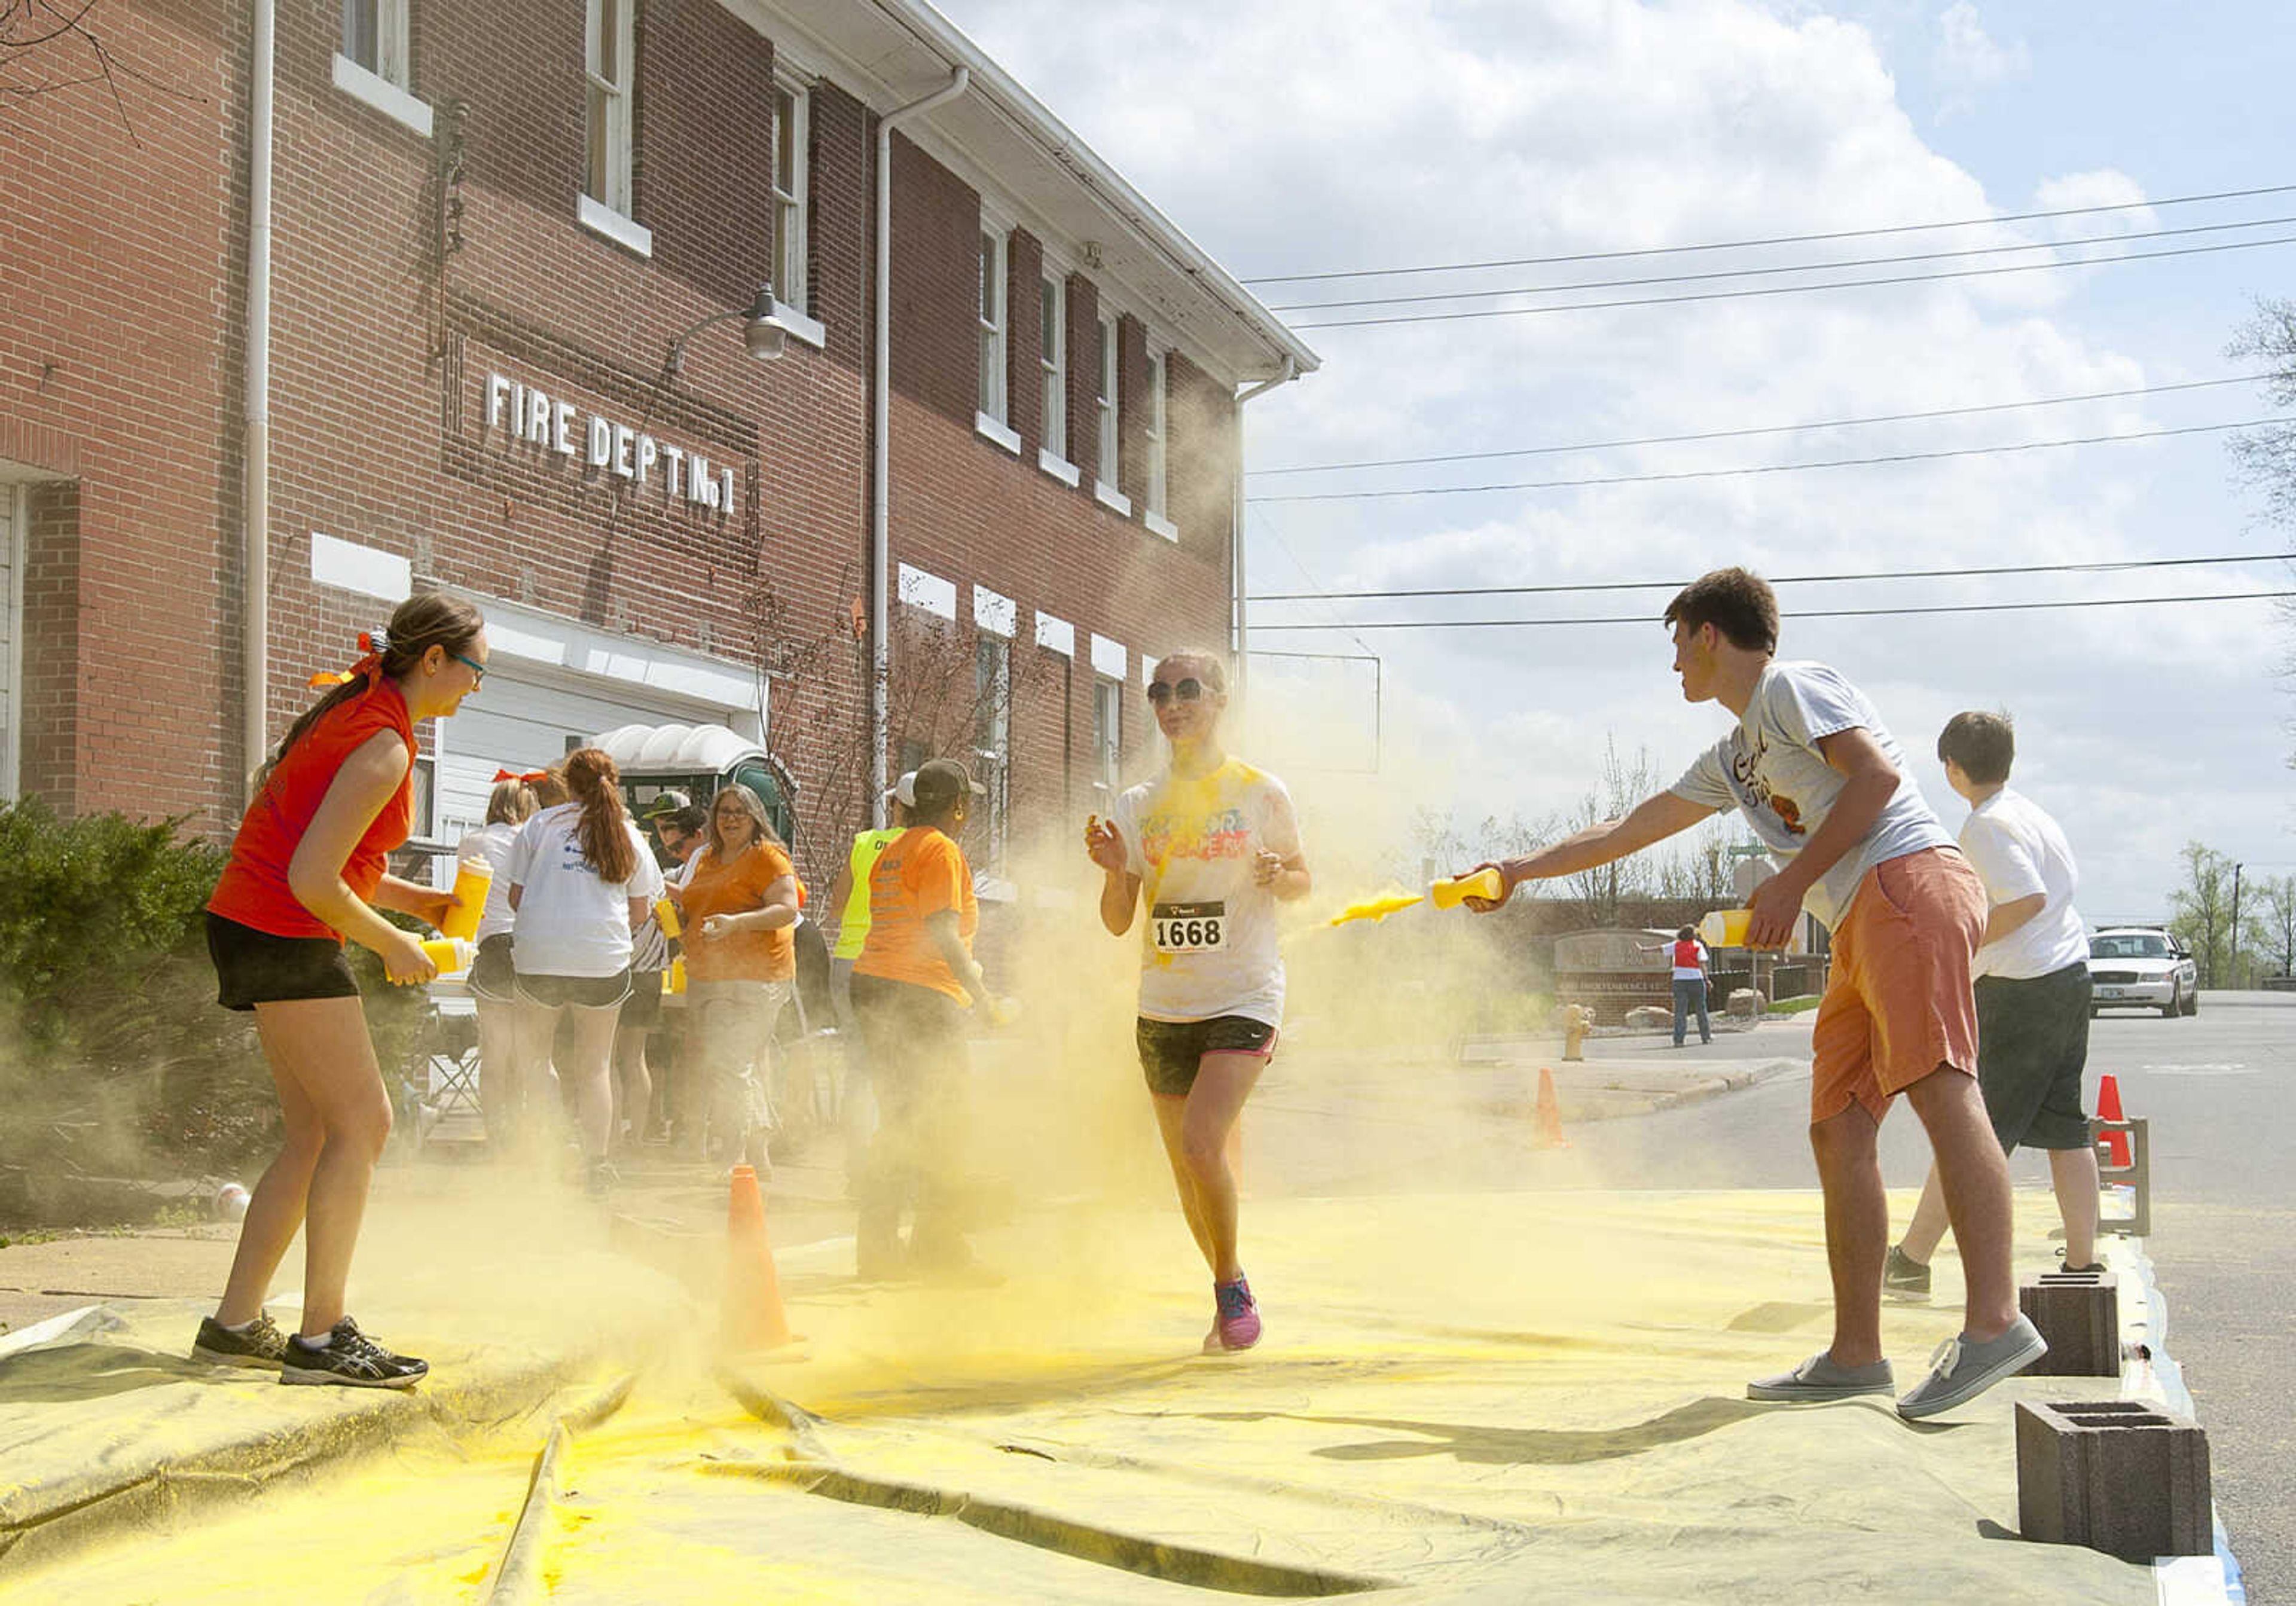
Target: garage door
551 684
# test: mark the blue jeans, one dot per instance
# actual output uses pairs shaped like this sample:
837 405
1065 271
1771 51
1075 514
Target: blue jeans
1689 999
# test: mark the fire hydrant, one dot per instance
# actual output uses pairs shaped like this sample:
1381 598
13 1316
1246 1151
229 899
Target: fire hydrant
1576 1020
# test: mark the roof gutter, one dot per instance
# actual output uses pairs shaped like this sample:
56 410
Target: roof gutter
1284 376
1029 117
880 487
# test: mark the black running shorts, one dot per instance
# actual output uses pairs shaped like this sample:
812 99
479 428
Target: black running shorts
1170 1051
255 967
2032 1044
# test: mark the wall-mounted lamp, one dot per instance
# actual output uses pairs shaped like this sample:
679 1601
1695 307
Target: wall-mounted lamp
762 332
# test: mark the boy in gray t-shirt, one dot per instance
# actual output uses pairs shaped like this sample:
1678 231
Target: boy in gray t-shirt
1811 769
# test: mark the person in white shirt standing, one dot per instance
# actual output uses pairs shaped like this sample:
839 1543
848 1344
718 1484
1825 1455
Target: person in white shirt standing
581 881
1209 847
2032 995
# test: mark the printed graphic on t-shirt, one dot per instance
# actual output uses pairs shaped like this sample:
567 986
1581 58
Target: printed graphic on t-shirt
1746 769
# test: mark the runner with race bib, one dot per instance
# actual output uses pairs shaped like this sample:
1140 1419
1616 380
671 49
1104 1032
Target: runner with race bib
1206 849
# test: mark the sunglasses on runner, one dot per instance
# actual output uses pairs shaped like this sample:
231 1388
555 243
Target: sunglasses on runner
1161 693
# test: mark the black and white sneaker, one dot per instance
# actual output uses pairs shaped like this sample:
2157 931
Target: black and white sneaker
260 1343
349 1359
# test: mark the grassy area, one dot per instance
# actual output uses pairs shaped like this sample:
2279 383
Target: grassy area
1793 1006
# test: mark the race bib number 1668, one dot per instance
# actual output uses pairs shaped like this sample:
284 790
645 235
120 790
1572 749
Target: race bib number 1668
1188 928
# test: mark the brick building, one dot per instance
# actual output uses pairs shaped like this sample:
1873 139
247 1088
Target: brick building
492 233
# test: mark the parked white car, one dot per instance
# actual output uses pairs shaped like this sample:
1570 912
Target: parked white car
2142 967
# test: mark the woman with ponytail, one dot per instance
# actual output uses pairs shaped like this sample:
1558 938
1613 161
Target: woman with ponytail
307 871
581 881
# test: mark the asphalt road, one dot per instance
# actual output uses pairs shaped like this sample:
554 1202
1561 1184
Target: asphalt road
2216 1088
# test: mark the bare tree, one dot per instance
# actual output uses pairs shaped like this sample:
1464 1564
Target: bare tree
2275 922
2266 457
50 45
2203 912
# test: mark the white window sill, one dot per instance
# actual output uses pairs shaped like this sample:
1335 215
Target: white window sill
1001 433
380 93
1115 501
602 219
1159 525
803 328
1059 468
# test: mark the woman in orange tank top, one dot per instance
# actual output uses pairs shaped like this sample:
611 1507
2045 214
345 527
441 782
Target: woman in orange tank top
307 870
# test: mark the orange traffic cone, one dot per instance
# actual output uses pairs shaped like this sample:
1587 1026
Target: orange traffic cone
1550 1115
754 1319
2108 1108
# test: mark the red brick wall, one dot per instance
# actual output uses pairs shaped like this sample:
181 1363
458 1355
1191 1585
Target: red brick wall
121 347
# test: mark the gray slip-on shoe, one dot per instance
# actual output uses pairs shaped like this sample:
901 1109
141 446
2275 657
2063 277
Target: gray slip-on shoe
1962 1370
1818 1379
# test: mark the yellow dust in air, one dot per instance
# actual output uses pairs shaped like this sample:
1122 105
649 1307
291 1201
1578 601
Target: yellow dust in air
1377 908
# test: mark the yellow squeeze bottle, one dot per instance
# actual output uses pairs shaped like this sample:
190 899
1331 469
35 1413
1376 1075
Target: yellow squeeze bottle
1725 927
451 955
473 880
665 916
676 982
1483 883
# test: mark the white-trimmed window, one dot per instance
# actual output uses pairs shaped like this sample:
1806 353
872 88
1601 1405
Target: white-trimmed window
793 195
375 61
992 741
993 407
1106 466
375 37
1054 308
609 47
1157 432
1107 734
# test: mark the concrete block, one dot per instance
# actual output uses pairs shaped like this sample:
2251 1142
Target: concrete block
2078 1313
2113 1475
1746 1002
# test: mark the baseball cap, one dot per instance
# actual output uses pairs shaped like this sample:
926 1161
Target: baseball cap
903 790
669 802
938 783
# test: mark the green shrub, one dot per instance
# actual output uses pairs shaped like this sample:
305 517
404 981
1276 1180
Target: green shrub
114 1060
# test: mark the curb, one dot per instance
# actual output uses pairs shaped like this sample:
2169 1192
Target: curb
1588 1100
42 1523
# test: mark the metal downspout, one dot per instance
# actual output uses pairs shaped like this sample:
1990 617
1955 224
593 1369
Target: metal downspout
1284 376
880 490
255 539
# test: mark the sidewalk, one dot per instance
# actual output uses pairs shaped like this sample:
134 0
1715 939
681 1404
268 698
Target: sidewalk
1491 1397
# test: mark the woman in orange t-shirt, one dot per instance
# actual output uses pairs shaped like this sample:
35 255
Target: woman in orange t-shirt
740 896
307 871
914 979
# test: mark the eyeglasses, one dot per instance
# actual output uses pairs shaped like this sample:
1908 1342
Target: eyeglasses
472 665
1161 693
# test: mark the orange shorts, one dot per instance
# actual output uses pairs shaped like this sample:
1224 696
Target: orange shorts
1899 1004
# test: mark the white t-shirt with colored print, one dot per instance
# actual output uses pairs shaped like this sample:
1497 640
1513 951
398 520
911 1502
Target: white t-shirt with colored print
1770 770
1208 943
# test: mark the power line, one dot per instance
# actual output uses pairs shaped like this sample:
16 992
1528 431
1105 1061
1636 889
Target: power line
1831 423
2112 566
1771 468
1733 245
1788 267
1821 613
1793 289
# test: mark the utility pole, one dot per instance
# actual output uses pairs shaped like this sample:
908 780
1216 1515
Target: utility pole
2235 925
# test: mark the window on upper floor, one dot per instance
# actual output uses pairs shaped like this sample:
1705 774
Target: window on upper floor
1107 735
992 741
792 200
375 37
1105 467
993 404
376 61
609 41
1157 432
1054 308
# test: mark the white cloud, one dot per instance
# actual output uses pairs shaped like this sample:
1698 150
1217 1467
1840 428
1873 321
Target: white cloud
1299 135
1967 57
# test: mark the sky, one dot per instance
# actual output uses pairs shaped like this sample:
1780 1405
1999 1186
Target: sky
1302 136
